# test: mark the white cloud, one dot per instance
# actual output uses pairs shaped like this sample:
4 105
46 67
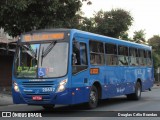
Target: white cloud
145 13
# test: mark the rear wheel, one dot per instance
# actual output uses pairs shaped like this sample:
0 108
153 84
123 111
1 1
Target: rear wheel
137 94
48 107
93 98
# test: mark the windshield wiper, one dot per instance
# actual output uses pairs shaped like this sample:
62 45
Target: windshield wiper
47 50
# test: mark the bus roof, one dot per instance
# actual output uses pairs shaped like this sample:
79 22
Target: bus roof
91 36
103 38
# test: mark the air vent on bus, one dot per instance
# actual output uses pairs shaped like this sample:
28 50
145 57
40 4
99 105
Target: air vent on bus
38 84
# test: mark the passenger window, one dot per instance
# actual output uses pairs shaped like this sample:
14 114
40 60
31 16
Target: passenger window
79 57
142 60
145 57
96 53
111 54
149 58
133 57
122 55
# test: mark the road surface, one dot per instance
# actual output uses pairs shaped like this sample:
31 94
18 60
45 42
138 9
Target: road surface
150 101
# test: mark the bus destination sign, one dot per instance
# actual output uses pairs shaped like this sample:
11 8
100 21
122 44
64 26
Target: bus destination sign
42 37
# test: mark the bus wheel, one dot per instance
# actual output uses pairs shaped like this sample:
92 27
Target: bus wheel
48 107
93 98
137 94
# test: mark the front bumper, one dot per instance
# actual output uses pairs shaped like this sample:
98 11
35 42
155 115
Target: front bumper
64 97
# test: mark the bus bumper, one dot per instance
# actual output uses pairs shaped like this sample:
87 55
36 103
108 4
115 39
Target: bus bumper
67 97
64 97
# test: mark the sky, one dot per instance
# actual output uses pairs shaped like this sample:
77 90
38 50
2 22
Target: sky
146 13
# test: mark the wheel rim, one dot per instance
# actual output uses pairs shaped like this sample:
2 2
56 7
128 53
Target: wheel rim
138 91
93 97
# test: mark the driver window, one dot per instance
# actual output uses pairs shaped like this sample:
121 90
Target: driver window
76 54
79 57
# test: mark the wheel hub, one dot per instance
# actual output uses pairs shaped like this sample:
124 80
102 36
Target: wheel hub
93 96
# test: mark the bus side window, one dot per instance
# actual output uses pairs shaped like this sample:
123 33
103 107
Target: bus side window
133 57
149 58
142 57
79 57
111 54
145 57
122 55
96 52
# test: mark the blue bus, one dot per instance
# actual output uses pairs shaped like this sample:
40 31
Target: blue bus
69 66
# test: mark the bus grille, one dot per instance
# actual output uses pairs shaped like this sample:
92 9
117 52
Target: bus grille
38 84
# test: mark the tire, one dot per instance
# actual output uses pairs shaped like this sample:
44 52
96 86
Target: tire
48 107
137 94
93 98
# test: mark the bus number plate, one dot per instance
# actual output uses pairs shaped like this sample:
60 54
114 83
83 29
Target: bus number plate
48 89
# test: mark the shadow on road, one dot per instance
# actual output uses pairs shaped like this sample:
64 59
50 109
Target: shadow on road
81 109
102 103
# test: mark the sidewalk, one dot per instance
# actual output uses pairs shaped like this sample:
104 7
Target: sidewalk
156 86
5 99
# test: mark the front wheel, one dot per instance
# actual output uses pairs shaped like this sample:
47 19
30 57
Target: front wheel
93 98
137 94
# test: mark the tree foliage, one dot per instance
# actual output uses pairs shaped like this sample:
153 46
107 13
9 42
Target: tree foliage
155 43
139 36
17 16
125 36
112 23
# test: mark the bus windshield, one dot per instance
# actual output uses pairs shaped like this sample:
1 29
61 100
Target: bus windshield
45 60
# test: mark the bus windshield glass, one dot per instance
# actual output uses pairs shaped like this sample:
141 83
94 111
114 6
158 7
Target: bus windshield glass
44 60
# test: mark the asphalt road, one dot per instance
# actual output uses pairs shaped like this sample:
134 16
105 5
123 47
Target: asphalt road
150 101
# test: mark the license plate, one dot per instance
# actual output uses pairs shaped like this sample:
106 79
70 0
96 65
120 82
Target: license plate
37 98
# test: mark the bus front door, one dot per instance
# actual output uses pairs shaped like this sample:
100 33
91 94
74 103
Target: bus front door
80 71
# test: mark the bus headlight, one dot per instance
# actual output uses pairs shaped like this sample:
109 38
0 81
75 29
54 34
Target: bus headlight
15 86
62 85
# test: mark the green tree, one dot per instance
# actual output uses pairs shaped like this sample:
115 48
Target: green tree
139 36
125 36
155 43
156 59
87 24
112 23
17 16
